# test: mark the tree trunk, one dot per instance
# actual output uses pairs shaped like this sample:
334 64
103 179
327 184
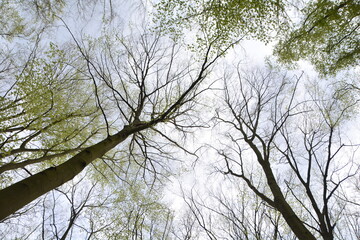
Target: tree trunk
294 222
21 193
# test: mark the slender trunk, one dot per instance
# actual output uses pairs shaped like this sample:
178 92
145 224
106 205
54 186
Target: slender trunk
21 193
70 225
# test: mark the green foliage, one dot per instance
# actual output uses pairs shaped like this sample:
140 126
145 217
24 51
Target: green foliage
337 101
23 18
133 208
49 110
10 28
137 211
328 36
47 10
222 22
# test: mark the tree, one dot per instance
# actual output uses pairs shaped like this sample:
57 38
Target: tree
296 143
141 83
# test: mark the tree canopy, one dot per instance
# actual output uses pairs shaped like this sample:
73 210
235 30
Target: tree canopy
324 32
222 21
328 35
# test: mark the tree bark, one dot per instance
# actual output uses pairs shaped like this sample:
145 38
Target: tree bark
21 193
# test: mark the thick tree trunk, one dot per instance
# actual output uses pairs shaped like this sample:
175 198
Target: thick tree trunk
21 193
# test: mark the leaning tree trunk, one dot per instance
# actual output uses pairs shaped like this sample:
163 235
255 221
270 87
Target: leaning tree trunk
294 222
21 193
